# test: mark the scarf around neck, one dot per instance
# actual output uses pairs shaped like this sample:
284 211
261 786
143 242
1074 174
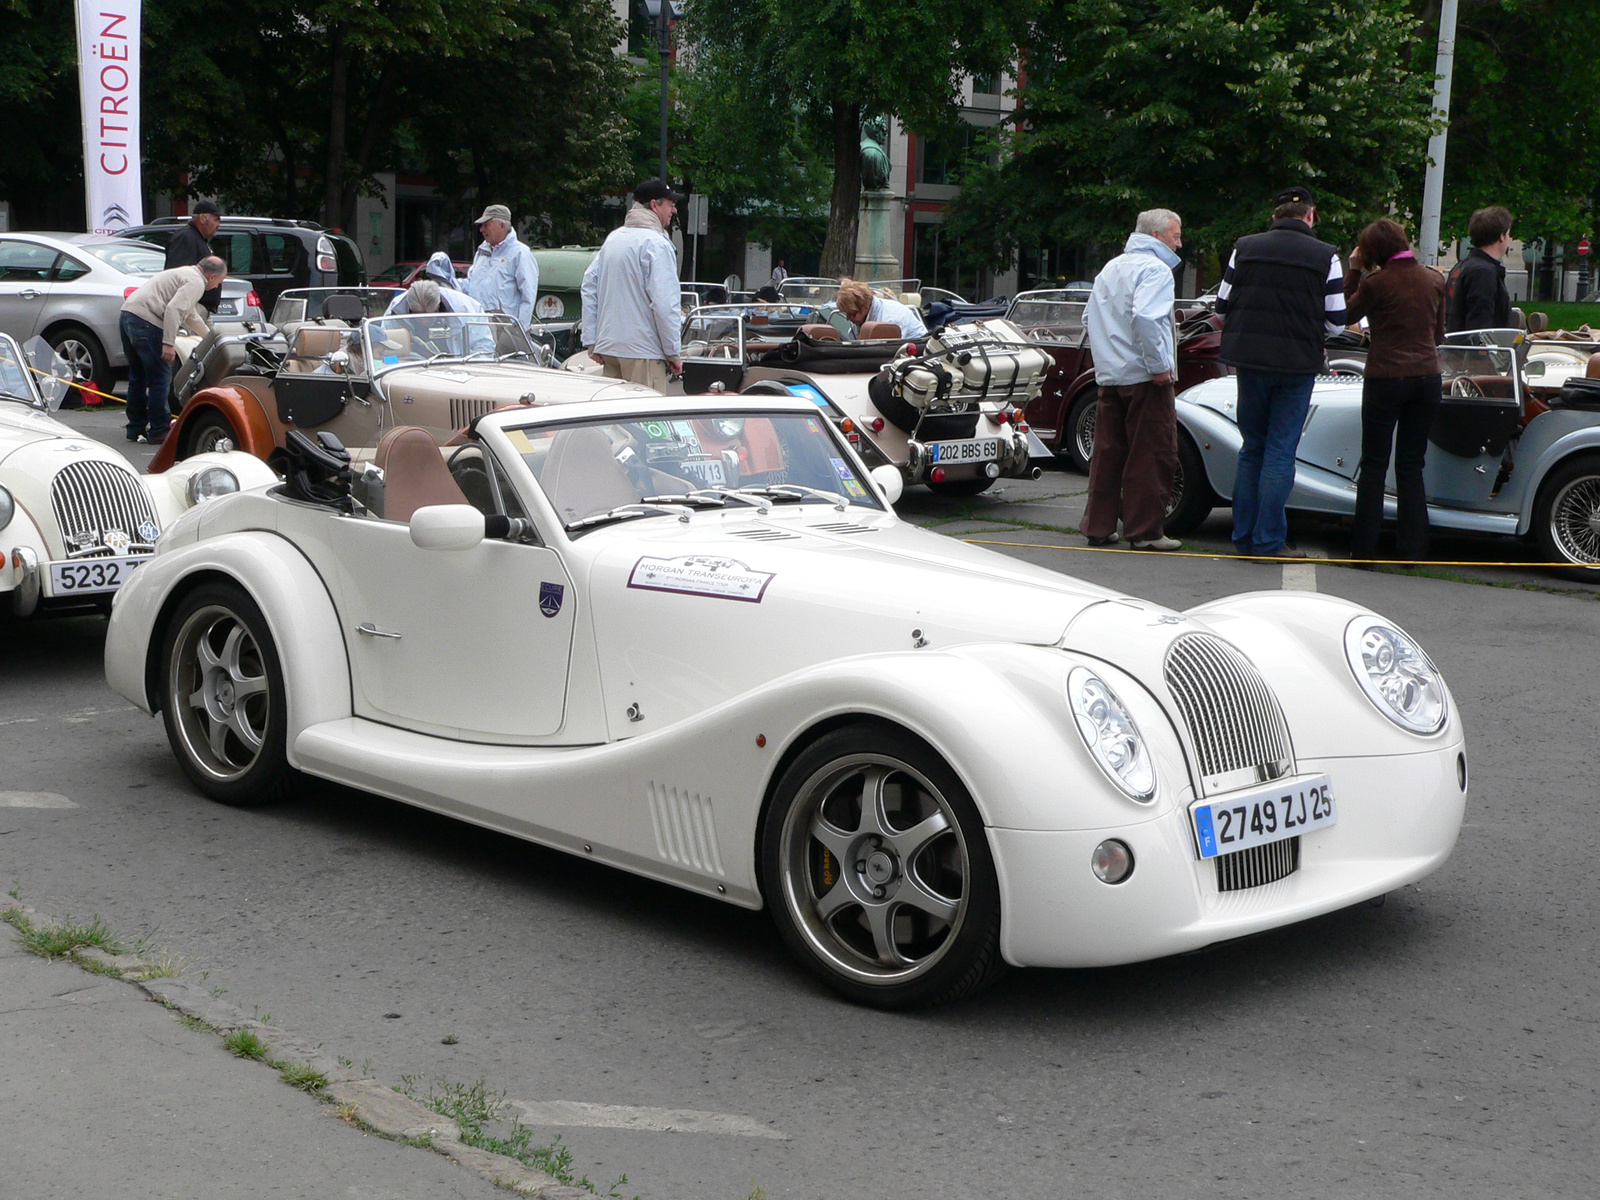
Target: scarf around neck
640 217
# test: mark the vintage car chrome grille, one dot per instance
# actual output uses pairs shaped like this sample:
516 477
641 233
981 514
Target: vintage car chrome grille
1238 730
1258 865
92 497
465 412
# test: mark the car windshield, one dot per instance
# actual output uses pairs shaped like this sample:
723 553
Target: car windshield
1487 371
598 471
399 341
310 304
1048 318
13 372
808 291
128 256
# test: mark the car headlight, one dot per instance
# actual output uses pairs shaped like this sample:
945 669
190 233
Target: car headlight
210 483
8 507
1110 734
1399 679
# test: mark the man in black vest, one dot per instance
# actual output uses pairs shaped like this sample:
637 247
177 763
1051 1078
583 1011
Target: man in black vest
193 243
1282 293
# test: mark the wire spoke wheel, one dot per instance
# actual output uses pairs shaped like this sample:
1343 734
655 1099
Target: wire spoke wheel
880 868
1575 519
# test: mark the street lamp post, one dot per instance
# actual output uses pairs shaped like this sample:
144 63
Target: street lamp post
664 48
1433 182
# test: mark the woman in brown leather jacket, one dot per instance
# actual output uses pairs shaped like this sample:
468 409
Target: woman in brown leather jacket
1404 304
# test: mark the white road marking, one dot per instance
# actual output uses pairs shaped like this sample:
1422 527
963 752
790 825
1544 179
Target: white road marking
656 1120
1302 576
34 800
76 717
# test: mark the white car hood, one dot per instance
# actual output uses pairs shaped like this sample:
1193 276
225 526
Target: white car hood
22 425
507 383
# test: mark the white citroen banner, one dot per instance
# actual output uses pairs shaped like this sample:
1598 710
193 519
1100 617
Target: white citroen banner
108 73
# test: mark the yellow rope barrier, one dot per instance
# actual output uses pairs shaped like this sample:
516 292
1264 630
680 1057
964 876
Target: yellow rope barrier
1265 558
82 387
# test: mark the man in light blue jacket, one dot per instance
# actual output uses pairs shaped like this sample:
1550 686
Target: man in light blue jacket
504 276
1129 320
632 306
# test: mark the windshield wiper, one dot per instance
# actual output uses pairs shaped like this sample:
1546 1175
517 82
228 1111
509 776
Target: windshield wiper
799 492
623 511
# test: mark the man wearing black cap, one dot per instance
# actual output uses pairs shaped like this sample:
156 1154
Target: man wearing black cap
631 300
1282 293
193 243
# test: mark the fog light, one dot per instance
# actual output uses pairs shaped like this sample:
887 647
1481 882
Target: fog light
937 475
1112 861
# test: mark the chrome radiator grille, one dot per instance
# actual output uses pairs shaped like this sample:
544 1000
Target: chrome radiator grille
1234 720
91 498
1258 865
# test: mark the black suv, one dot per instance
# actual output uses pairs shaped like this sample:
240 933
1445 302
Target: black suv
272 253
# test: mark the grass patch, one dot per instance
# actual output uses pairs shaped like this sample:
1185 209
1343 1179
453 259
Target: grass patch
480 1115
192 1022
1564 316
245 1043
57 941
299 1075
95 967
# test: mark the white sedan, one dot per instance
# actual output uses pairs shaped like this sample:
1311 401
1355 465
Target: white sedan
75 518
689 637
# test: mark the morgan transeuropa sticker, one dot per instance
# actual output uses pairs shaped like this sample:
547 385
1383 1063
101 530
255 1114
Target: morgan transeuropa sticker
701 575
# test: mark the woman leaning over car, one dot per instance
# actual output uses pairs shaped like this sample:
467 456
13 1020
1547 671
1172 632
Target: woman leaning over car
1403 302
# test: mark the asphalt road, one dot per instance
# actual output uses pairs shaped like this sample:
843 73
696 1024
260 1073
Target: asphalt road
1441 1045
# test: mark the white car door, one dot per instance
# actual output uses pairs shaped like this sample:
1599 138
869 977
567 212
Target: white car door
464 643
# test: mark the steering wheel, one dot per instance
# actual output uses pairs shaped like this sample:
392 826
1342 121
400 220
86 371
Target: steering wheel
1463 385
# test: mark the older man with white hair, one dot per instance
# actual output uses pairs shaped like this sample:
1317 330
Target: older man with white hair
1129 321
504 276
149 325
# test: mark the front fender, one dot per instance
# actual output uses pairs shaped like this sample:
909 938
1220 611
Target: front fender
169 492
299 612
244 413
1218 441
1549 443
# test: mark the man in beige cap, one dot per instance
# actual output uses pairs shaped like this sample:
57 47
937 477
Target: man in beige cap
504 276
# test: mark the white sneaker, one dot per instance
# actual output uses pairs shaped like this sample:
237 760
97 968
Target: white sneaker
1160 543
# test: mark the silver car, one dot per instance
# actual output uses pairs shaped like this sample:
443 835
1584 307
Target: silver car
69 287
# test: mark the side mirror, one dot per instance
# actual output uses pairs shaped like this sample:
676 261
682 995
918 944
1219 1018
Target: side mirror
51 372
889 482
446 527
1534 369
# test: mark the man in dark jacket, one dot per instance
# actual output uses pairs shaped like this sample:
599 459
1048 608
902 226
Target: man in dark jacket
1281 294
1475 294
193 243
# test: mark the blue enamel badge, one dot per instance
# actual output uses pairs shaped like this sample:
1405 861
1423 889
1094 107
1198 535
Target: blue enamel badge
550 598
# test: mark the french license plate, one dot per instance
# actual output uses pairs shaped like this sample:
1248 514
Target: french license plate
227 308
976 450
1264 815
91 575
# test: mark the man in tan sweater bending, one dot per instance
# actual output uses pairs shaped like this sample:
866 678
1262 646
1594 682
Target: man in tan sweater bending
149 326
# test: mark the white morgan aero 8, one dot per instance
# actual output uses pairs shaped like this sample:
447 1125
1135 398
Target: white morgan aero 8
927 759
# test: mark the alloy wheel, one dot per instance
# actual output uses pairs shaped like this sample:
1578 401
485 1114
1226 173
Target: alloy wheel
219 692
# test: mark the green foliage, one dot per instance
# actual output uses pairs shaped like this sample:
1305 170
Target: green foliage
300 1075
56 941
245 1043
1207 107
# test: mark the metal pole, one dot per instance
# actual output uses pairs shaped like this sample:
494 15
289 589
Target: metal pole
664 47
1433 182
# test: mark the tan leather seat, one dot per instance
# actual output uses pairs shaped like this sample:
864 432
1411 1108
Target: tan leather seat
582 477
311 344
414 471
1538 322
820 333
877 331
1592 371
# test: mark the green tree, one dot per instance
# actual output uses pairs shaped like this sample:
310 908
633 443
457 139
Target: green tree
838 62
1206 107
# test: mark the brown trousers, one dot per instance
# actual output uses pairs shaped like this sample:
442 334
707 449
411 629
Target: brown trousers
1135 454
651 372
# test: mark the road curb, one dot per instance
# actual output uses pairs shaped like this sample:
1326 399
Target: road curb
361 1099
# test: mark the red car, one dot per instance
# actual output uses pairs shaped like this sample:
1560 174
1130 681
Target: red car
404 274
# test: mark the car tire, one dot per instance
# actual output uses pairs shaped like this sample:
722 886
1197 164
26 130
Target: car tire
87 358
206 431
222 697
1075 444
1192 499
961 487
897 907
1566 515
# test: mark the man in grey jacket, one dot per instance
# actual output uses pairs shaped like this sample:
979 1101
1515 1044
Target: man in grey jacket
1129 320
632 313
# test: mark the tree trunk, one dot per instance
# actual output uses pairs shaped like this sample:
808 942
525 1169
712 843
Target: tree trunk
362 157
844 209
338 117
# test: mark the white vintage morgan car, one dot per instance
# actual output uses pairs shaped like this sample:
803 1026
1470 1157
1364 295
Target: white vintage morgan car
927 760
75 517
